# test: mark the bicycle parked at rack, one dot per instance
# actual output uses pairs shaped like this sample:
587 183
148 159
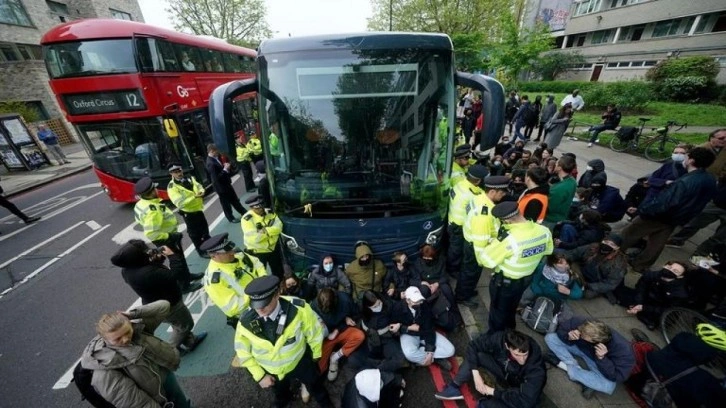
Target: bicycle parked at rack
657 148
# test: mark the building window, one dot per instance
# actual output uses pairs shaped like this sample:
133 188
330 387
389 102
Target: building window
688 24
587 7
558 42
601 36
623 64
650 63
13 12
720 24
580 40
120 15
621 3
56 7
666 28
612 64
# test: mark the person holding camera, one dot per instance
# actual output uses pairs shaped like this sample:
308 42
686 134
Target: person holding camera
261 230
160 227
142 268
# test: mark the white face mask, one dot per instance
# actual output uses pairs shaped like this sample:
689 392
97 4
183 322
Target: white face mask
588 168
377 309
497 163
328 267
678 157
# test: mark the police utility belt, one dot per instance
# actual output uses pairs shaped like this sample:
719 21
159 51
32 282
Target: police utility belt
499 279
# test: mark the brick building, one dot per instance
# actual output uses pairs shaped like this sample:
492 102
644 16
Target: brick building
23 75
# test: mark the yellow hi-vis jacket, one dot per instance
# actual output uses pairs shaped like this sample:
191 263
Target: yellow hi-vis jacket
460 196
261 356
156 218
480 226
184 199
254 146
518 254
243 153
263 239
225 282
458 173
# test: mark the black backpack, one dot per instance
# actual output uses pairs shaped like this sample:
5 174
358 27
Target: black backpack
626 133
82 377
529 116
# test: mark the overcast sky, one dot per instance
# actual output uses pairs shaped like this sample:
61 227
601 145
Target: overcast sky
295 17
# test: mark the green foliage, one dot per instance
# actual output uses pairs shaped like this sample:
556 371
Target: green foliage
720 92
628 96
549 66
468 47
556 86
697 66
231 20
28 113
683 89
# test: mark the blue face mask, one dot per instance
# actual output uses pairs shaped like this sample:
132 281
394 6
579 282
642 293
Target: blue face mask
328 267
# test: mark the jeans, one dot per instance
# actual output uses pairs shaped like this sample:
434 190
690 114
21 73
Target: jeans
413 348
57 153
591 378
518 131
174 392
597 129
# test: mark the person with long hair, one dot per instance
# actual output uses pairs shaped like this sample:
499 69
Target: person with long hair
557 126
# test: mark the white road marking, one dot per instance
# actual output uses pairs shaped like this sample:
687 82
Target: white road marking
94 225
29 250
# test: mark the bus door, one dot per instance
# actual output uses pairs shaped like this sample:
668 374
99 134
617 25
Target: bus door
194 127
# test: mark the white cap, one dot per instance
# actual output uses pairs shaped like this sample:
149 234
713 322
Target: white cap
368 383
414 294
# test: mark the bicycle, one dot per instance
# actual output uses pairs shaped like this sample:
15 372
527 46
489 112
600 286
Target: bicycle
656 148
677 320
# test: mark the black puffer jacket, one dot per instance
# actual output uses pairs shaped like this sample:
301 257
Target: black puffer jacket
598 167
336 279
400 280
682 200
152 281
656 295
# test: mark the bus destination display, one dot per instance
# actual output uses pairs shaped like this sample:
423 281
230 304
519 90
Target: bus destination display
104 102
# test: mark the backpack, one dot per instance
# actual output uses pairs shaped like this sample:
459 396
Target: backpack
82 377
529 116
626 133
542 316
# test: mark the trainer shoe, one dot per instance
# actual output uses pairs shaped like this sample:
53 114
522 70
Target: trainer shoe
333 370
304 394
597 141
443 363
450 393
31 220
589 145
551 359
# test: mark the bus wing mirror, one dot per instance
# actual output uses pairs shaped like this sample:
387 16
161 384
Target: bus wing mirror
220 112
171 129
493 102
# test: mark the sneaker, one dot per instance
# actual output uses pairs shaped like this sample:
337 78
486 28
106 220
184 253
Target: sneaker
443 363
192 287
333 370
195 276
639 335
450 393
304 394
589 145
551 359
674 243
31 220
587 392
597 141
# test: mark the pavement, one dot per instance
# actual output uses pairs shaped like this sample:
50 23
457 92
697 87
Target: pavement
622 170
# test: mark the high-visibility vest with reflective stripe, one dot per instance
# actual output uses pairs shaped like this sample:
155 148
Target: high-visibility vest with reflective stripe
185 199
458 174
480 226
156 218
517 255
229 292
260 356
254 146
243 153
526 198
255 239
460 195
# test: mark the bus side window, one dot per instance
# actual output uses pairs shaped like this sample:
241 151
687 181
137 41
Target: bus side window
166 53
188 57
232 62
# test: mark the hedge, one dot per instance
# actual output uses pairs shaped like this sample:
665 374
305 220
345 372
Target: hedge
631 96
556 86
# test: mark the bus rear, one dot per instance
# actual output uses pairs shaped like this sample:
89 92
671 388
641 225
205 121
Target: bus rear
358 134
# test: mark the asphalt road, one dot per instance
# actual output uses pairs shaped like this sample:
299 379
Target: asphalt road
56 280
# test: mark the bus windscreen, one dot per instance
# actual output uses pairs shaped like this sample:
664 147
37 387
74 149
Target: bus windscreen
85 58
379 80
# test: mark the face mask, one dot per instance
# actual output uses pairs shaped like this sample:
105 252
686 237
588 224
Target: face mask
429 262
505 140
605 249
588 168
668 274
497 163
576 199
562 268
377 309
678 157
364 261
328 267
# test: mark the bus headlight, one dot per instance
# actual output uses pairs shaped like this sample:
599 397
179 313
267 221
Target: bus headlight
291 244
435 236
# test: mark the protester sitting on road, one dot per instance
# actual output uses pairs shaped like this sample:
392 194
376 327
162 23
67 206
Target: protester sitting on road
636 196
533 201
517 186
496 168
329 275
422 345
400 277
431 269
608 355
365 272
518 147
292 285
510 160
507 368
374 388
524 161
580 203
610 121
606 199
550 167
594 167
503 146
383 347
655 292
554 279
602 265
543 153
338 313
588 229
132 368
142 268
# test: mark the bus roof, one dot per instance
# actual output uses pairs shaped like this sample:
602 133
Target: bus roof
96 28
367 41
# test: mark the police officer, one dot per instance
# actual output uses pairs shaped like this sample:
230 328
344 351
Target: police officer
160 227
461 195
480 228
270 322
261 229
228 273
513 256
186 193
244 161
462 160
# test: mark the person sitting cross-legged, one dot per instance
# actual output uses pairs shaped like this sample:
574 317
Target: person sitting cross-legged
513 359
608 355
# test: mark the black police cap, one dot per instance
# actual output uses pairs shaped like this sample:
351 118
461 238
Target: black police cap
478 171
215 243
497 182
463 150
144 185
505 210
261 290
255 201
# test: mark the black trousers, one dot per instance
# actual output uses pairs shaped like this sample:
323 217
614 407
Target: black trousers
456 247
4 202
177 261
308 373
197 227
272 259
489 364
470 273
228 199
505 294
246 168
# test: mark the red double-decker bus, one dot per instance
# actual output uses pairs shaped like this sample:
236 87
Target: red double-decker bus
138 96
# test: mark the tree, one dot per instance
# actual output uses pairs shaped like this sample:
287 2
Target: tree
469 51
517 50
28 113
549 66
236 21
